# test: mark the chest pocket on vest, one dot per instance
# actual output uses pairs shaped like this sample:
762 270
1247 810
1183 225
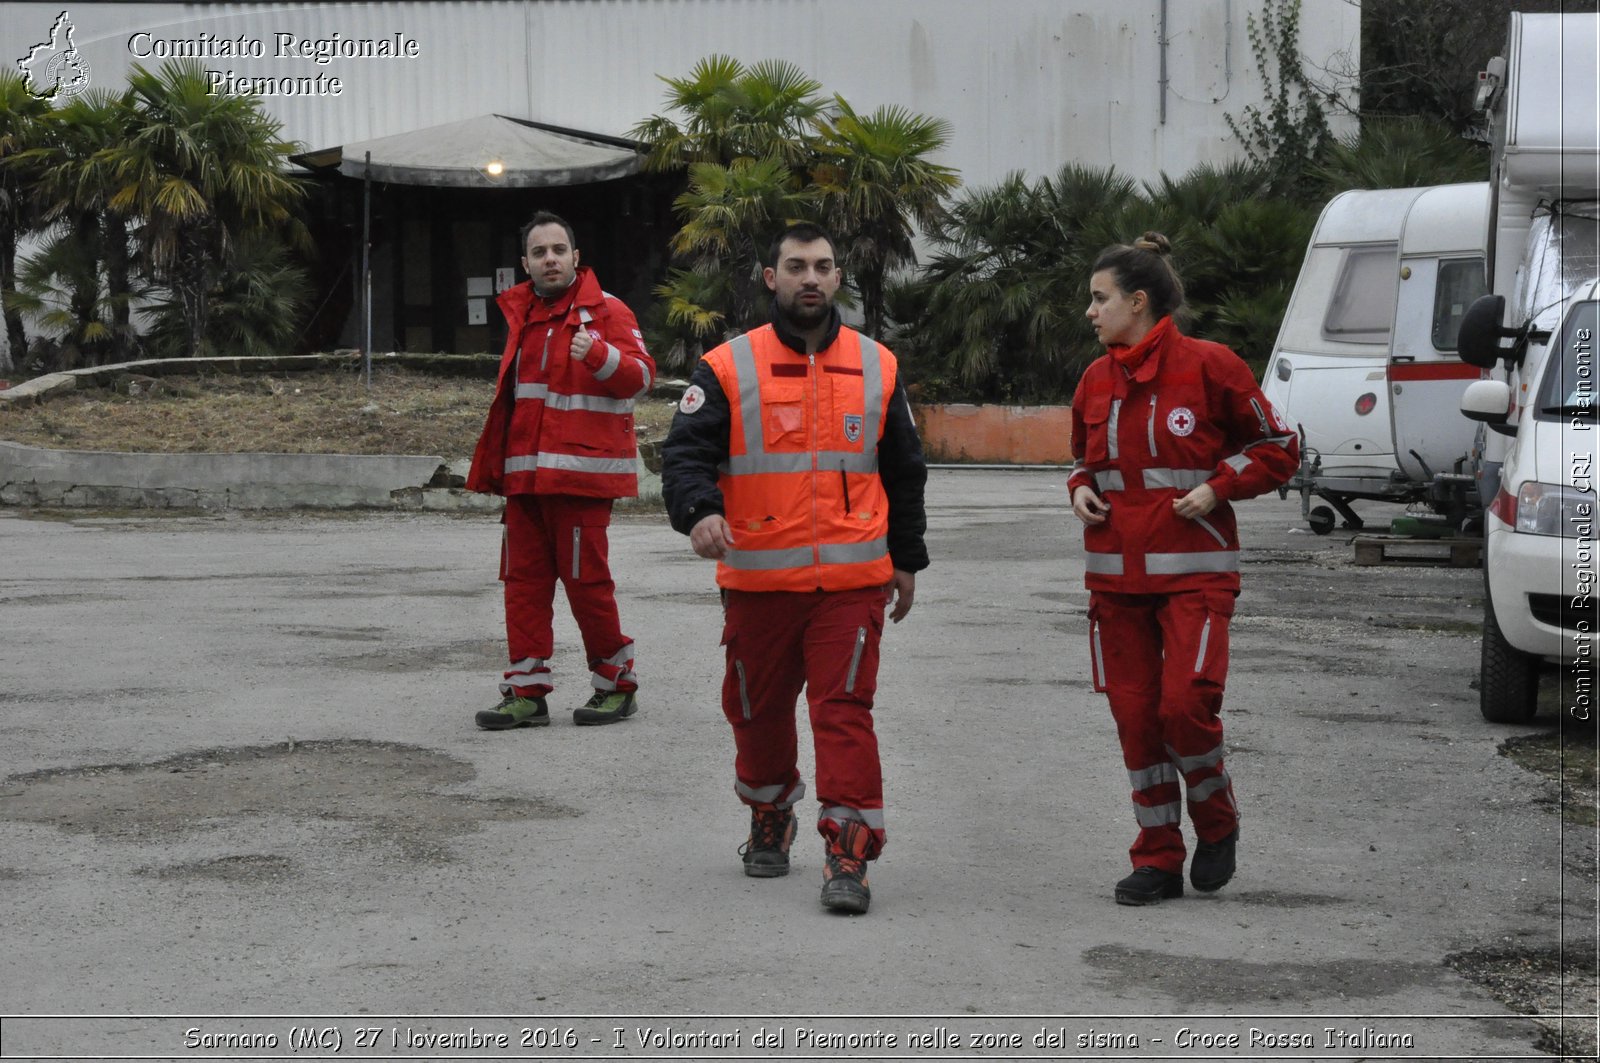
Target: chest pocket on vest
1097 428
783 413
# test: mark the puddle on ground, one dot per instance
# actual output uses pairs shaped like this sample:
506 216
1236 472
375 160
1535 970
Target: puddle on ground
1192 979
382 792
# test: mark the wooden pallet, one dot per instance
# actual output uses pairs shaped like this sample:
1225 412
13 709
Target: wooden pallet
1403 550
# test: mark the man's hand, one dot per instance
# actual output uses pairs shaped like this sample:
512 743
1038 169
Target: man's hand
1196 503
901 591
711 537
581 342
1090 507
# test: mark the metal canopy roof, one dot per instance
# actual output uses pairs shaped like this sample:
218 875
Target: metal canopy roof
460 154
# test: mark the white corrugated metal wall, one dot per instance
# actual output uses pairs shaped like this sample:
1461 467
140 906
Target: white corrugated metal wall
1026 84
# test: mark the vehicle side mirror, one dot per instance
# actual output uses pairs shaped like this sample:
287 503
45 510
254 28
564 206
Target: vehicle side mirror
1478 341
1489 401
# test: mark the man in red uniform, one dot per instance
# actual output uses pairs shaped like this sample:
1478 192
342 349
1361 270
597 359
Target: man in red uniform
1167 430
559 445
794 462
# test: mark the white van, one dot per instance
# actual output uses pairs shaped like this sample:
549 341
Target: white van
1365 365
1536 462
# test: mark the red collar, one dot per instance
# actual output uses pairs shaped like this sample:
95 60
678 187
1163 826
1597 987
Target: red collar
1141 360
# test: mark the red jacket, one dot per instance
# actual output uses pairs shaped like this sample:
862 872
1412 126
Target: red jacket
1188 413
556 426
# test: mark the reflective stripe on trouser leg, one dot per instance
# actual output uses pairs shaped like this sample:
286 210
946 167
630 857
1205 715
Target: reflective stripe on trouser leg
527 569
1130 647
527 678
841 668
583 563
1195 631
765 672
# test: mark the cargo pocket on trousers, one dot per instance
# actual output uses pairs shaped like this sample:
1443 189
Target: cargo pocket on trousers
1097 659
589 562
1211 652
736 667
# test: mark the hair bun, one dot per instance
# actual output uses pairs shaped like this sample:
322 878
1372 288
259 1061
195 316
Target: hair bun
1154 241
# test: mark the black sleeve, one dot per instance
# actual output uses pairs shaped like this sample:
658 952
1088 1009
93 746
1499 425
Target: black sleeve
904 473
696 444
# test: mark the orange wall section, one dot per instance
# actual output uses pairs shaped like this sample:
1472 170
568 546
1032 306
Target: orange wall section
1002 435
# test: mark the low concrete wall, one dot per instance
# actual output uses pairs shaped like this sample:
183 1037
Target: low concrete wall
38 477
1002 435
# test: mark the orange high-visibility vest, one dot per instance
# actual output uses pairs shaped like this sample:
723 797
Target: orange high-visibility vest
800 487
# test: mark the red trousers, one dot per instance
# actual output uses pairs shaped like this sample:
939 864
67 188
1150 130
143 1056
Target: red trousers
1162 661
550 538
827 643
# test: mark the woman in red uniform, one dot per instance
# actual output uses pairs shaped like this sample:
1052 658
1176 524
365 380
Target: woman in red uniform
1167 431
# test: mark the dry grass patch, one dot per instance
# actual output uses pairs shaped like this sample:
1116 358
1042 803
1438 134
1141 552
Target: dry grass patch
404 412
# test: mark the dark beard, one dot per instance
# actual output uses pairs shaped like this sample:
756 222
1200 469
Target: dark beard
801 319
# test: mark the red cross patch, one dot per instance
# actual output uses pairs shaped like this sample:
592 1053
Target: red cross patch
1180 422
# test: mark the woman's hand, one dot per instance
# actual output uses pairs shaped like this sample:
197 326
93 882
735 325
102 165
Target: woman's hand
1090 507
1196 503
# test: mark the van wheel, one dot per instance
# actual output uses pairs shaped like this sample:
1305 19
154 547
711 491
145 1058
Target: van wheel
1508 686
1321 520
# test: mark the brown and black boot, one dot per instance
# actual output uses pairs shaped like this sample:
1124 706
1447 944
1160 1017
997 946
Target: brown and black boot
844 877
766 851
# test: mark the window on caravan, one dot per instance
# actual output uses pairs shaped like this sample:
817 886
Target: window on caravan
1362 306
1460 282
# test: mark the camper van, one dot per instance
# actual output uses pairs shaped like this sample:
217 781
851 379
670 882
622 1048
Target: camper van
1365 365
1537 454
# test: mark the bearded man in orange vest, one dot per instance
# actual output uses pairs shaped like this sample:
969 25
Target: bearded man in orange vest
559 445
793 461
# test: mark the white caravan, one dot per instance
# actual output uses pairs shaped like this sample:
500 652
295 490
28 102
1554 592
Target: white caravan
1538 455
1365 365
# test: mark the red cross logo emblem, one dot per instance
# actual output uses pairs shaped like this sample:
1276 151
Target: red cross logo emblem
1180 422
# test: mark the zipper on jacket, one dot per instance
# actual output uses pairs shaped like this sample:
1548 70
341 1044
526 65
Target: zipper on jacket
1151 427
855 660
816 442
544 359
844 482
1111 429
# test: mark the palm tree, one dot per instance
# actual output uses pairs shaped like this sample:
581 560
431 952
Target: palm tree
1400 153
731 111
74 189
23 120
873 179
201 171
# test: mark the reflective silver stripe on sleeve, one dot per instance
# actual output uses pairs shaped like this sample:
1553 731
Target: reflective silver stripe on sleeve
555 400
572 463
644 368
1237 462
1145 778
1108 480
1179 564
855 661
613 359
1205 789
1111 428
1208 526
1205 637
1103 564
1157 815
872 391
744 367
1182 479
1209 759
756 462
872 817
